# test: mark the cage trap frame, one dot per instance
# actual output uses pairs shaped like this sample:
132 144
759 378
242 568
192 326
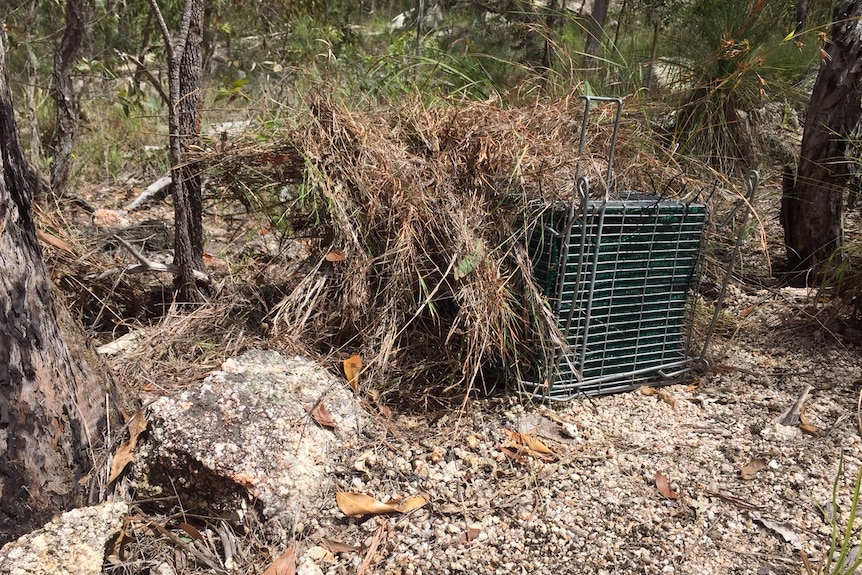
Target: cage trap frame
620 273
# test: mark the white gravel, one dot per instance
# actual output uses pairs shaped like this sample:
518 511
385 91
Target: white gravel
595 506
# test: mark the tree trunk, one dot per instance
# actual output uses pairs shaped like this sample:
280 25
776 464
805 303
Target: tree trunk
811 211
184 124
64 95
52 404
595 32
552 19
190 109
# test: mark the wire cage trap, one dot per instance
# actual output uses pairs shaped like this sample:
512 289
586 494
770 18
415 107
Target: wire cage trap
620 274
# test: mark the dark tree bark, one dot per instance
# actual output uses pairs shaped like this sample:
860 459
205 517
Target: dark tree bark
595 32
184 124
812 205
190 111
52 403
552 19
64 94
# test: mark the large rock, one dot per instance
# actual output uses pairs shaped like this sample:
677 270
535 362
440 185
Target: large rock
73 543
246 431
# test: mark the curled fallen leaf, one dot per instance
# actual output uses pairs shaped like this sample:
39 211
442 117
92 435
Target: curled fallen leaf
192 531
352 367
805 425
664 487
125 452
335 256
750 469
122 457
54 241
284 565
359 505
411 504
322 416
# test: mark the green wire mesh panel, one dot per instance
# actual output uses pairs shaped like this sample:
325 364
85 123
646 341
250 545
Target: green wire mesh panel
620 288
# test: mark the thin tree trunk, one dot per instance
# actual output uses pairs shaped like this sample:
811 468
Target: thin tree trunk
52 403
552 17
653 51
64 94
30 91
184 93
190 111
595 32
811 213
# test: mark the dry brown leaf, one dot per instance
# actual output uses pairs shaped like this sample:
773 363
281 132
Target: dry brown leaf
122 457
664 395
336 256
664 487
750 470
137 425
352 367
805 425
469 535
192 531
359 505
534 444
124 454
411 504
322 416
284 565
54 241
334 546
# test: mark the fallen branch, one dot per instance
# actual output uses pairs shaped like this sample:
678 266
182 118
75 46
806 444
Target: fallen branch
146 265
156 189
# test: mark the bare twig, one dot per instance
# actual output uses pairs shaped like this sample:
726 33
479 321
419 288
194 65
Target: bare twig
147 265
372 549
154 82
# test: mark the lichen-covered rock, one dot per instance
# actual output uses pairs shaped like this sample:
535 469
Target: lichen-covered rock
247 431
73 543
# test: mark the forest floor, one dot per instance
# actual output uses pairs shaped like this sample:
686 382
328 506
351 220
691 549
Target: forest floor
696 479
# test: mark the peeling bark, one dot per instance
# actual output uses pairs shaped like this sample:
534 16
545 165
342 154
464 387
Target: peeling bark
52 403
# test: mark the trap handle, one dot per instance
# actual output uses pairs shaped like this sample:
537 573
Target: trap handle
588 100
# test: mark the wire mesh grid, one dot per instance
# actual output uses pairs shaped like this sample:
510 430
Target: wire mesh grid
619 275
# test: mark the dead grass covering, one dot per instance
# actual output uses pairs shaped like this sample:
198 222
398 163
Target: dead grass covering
428 204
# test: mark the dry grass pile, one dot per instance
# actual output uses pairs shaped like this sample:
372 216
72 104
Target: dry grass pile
417 215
